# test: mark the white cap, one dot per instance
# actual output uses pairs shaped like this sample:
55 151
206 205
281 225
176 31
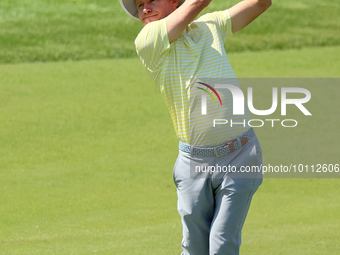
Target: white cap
130 8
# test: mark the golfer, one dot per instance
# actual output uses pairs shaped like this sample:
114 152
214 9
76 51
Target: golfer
187 60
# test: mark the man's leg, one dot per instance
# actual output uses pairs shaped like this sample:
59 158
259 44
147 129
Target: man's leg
232 201
195 206
231 210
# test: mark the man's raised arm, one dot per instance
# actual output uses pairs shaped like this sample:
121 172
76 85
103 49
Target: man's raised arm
243 13
179 19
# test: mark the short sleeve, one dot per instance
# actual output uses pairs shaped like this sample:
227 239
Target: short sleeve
152 44
221 20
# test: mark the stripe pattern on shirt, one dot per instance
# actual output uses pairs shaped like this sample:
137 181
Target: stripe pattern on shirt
198 54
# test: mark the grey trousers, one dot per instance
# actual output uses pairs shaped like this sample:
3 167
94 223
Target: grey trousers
213 208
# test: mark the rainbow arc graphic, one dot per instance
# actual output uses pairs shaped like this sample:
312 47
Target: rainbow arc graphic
209 93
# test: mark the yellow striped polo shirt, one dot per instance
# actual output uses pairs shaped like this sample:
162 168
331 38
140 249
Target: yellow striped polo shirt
186 70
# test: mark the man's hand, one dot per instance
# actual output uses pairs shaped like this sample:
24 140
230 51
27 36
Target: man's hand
179 19
243 13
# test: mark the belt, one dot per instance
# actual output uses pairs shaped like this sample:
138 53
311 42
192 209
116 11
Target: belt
220 149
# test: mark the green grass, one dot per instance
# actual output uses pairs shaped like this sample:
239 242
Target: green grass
46 30
87 153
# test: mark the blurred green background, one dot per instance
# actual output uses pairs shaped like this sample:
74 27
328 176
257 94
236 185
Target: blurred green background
52 30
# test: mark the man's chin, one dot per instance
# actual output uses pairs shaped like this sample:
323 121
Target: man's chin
149 20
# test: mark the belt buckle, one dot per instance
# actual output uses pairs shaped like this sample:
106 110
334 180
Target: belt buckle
216 148
215 151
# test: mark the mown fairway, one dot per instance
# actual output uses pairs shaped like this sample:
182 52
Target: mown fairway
50 30
87 151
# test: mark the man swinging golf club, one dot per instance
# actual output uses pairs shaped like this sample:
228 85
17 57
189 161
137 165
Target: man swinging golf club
186 58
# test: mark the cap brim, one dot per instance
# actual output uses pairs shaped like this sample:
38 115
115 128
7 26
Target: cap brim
129 6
